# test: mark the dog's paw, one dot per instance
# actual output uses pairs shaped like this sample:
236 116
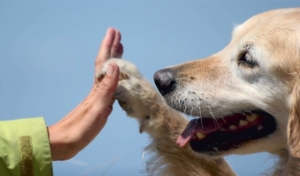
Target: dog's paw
134 93
126 69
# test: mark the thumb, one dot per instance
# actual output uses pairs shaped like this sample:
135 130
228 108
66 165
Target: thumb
109 83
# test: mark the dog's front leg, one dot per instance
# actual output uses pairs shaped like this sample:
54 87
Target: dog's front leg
141 100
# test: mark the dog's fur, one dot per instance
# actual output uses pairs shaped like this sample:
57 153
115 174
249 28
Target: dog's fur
220 85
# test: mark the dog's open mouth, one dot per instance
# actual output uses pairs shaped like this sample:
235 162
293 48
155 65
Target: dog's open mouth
210 135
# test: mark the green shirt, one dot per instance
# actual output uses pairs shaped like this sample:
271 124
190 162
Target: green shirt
25 148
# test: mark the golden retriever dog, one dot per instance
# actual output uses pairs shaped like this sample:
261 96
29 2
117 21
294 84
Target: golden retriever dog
245 99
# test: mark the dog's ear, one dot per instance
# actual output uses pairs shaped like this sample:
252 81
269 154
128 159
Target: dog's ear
293 129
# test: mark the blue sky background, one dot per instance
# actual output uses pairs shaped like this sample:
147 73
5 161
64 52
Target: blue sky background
47 52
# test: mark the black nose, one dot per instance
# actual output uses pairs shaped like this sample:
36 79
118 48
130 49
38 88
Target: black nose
165 81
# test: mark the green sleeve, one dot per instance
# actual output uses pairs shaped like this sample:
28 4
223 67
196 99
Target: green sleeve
25 148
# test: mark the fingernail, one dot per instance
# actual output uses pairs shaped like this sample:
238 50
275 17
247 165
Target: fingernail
110 69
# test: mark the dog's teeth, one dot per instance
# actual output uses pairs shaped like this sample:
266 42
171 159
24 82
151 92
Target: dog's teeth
200 135
216 149
260 127
251 117
232 127
243 122
222 129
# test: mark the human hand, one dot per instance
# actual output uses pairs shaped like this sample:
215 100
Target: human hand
77 129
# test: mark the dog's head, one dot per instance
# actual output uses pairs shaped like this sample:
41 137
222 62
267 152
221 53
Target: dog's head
247 95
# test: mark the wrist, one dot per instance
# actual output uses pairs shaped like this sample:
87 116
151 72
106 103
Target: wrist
63 135
78 128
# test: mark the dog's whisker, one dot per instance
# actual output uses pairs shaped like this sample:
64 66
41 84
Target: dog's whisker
199 106
214 118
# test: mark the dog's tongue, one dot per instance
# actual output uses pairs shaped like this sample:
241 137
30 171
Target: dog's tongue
202 125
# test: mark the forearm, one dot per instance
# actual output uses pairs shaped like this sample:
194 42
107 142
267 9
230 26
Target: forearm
78 128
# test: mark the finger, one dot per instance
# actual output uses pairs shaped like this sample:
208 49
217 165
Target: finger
120 51
108 85
116 44
105 48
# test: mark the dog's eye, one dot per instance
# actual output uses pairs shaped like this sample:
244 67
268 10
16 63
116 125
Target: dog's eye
246 59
